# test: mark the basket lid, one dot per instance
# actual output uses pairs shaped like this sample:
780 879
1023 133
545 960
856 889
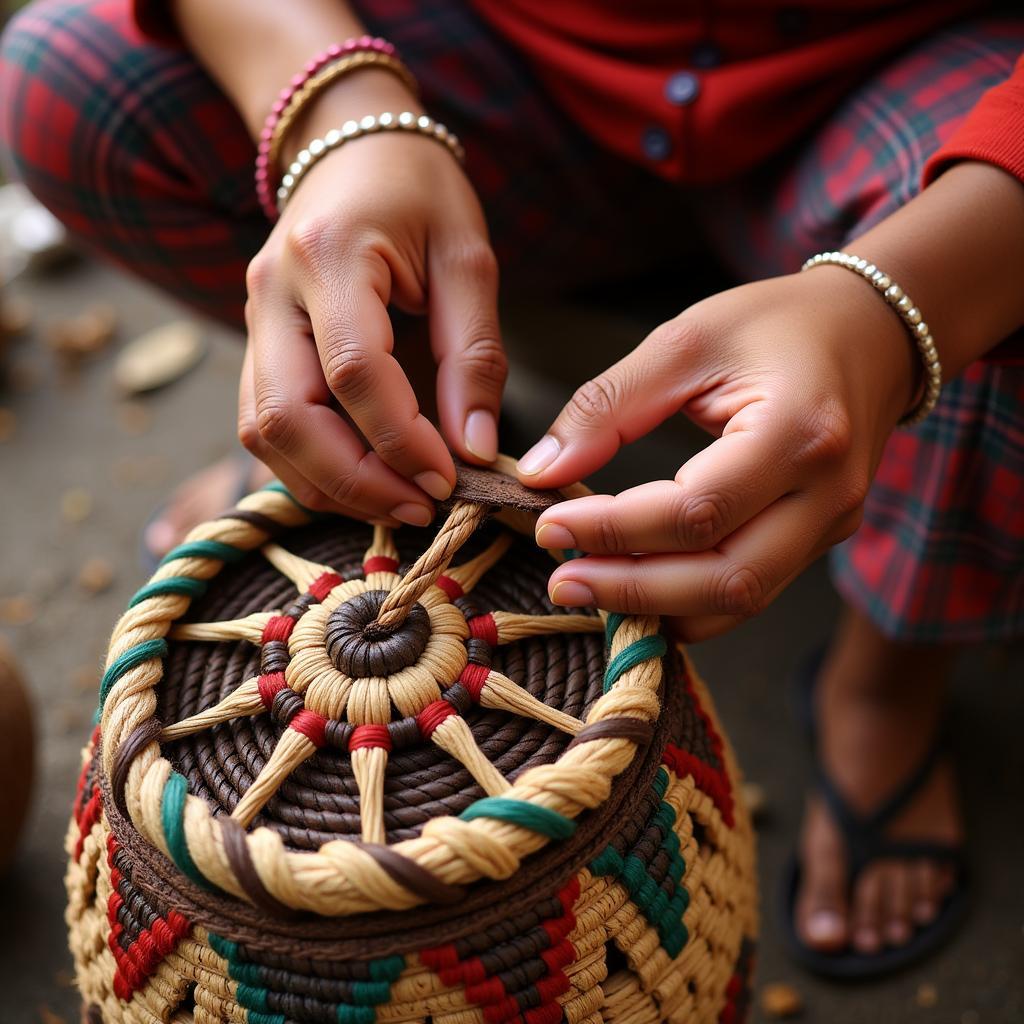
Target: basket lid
305 713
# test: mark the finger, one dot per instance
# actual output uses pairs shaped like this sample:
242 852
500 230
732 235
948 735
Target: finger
293 421
355 340
715 493
466 340
738 579
625 402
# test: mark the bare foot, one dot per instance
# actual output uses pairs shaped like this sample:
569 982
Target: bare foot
206 494
878 708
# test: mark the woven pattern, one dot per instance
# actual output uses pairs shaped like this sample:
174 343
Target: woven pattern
341 774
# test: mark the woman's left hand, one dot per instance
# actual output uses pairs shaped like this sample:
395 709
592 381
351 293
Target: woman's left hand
802 378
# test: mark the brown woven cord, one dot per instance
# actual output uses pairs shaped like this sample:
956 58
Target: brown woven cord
493 488
632 729
236 849
319 802
137 741
374 935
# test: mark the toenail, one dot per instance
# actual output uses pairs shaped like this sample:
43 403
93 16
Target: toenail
897 933
866 940
824 926
924 912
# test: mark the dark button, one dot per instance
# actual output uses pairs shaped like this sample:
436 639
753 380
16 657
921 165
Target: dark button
656 143
683 87
706 54
792 21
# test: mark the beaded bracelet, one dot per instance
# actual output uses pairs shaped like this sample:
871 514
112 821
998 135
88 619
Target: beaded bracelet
908 313
320 81
350 130
313 66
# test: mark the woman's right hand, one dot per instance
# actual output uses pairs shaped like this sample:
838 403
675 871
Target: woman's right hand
387 219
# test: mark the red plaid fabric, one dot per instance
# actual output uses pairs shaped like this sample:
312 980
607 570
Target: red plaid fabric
133 146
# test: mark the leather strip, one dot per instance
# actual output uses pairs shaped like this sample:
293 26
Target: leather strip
140 738
615 729
416 879
236 849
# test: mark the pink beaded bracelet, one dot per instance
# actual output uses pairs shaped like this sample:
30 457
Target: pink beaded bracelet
264 185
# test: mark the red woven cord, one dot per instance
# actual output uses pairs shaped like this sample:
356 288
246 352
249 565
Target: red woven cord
433 715
559 956
278 628
440 957
324 584
369 736
270 686
552 987
487 992
379 563
311 725
469 972
83 775
485 628
449 586
708 779
89 816
473 679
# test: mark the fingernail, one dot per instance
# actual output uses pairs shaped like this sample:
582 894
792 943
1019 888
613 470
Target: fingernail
572 594
824 926
540 456
554 535
412 513
481 435
434 484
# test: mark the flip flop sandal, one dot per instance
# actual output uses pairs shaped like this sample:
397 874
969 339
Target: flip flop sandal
865 841
243 463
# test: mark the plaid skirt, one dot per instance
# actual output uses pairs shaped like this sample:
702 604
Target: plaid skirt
138 152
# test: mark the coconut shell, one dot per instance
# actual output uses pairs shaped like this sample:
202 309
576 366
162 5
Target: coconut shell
16 754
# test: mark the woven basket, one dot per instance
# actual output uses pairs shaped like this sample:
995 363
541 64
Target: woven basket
344 775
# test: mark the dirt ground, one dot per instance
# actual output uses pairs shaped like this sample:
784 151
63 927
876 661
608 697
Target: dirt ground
75 434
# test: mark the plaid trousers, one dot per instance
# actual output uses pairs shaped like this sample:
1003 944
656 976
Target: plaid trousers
138 152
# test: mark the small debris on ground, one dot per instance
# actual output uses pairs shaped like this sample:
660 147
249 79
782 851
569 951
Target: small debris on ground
159 357
927 995
83 335
18 610
8 424
134 418
780 1001
96 575
75 505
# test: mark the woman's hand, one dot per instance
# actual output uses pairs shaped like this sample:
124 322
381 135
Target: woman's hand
802 378
386 219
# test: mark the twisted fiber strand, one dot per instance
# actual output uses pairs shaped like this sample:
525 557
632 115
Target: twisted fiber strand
341 878
462 522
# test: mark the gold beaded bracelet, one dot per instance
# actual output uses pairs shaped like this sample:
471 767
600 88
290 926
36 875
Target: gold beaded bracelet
320 81
908 313
406 121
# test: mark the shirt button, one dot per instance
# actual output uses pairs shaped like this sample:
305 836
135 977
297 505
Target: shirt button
706 54
656 143
682 88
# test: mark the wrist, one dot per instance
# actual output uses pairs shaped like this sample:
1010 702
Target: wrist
365 91
874 346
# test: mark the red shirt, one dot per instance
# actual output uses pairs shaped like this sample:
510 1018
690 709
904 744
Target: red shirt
702 94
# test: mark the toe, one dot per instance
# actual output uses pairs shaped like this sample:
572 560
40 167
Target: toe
896 898
866 912
821 909
925 892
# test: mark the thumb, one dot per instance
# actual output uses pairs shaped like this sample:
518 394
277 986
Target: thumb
466 340
615 408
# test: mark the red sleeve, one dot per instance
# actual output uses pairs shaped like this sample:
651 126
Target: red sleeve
154 19
992 132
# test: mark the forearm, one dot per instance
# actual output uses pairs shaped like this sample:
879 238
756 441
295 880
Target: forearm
958 250
252 48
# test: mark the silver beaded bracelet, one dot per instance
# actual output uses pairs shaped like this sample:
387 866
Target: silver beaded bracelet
369 125
909 314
